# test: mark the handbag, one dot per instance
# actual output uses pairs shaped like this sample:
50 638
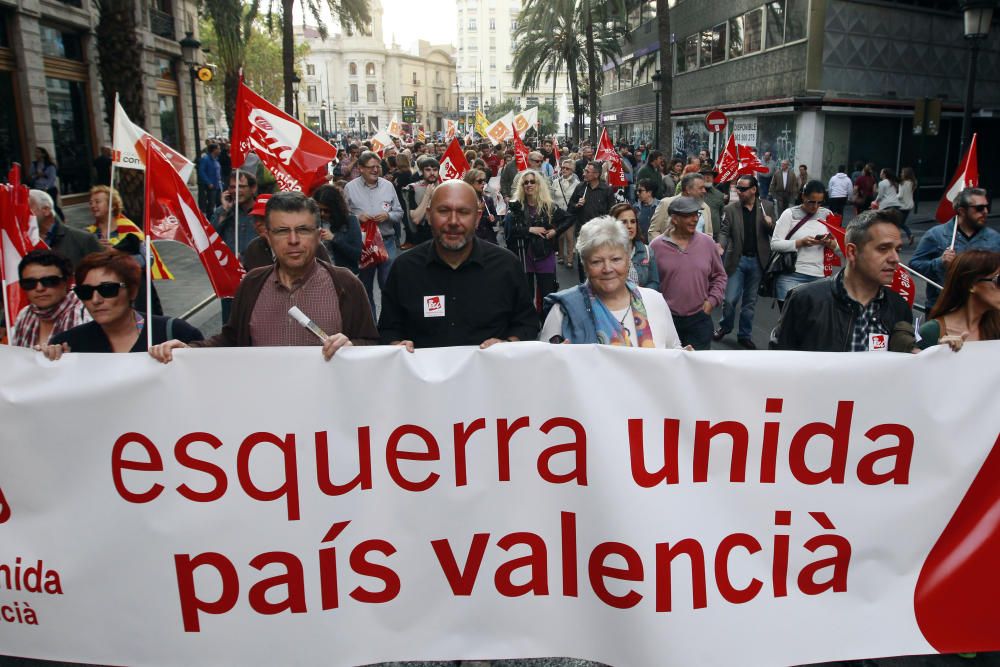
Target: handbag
373 251
779 263
539 247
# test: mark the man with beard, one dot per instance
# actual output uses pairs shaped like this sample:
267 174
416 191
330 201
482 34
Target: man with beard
455 289
416 199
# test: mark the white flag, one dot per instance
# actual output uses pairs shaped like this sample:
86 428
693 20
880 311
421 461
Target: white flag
395 130
501 129
526 120
128 149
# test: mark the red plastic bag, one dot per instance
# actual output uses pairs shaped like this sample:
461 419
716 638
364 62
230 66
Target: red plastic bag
373 250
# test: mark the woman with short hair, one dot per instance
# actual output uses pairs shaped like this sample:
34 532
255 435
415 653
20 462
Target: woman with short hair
107 283
44 275
607 308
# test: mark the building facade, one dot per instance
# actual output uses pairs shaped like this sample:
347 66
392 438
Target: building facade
48 68
485 57
352 81
820 82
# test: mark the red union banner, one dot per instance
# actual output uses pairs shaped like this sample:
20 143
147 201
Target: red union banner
636 528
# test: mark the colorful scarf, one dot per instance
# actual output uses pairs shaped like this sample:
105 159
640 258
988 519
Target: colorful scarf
610 331
70 312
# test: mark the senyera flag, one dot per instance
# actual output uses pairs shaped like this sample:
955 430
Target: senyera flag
902 282
737 160
967 176
172 214
130 146
453 162
520 152
606 151
15 240
297 156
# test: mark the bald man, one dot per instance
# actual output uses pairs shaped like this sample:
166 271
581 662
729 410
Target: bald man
455 289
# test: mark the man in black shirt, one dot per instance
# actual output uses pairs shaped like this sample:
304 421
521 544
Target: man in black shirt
455 289
591 199
745 238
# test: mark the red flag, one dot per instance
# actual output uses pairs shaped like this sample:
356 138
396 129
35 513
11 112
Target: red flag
903 285
14 242
171 213
520 152
555 152
902 282
453 162
296 155
737 160
606 152
967 176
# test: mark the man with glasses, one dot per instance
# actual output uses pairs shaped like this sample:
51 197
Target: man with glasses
330 296
745 237
937 250
371 197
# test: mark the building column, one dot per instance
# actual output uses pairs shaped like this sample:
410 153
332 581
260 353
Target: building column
30 76
810 131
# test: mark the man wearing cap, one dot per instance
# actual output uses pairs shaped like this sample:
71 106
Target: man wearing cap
692 278
692 186
258 252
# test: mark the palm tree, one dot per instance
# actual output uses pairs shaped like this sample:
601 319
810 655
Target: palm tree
550 37
232 22
352 14
666 71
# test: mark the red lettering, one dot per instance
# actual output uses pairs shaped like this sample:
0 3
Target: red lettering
722 580
536 560
462 433
902 454
665 555
668 474
567 521
191 604
704 432
839 434
288 489
329 586
505 432
4 508
462 582
769 452
214 471
362 480
779 568
292 580
118 463
599 570
362 566
393 455
578 448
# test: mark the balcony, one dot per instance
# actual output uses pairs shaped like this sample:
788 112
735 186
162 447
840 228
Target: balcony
162 24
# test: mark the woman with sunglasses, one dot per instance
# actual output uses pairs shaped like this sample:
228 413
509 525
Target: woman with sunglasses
107 283
800 229
489 221
533 223
52 306
969 306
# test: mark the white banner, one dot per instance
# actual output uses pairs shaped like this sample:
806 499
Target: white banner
262 507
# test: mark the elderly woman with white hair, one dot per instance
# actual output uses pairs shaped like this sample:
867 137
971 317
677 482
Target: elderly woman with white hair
607 308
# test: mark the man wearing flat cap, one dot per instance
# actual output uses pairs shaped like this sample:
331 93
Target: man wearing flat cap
693 186
692 277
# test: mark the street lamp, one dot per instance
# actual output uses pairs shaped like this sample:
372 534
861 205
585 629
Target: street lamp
295 92
978 17
189 50
322 118
657 87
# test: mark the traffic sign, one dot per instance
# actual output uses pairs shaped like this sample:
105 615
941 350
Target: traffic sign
716 121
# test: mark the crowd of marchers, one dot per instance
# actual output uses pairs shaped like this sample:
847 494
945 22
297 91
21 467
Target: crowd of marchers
473 260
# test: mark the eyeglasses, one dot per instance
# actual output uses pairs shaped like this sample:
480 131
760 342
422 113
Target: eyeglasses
992 279
371 166
743 188
979 208
106 290
28 284
811 202
285 232
527 182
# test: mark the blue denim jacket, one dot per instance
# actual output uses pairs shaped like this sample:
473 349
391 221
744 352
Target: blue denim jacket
927 258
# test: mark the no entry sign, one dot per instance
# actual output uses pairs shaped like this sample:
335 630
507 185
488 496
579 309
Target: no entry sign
716 121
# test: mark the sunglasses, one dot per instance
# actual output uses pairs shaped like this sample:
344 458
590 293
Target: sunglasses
744 188
106 290
528 182
28 284
979 208
993 279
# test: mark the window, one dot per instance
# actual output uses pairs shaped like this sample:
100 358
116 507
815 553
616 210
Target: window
310 69
372 93
513 25
493 43
165 69
352 69
370 69
414 81
311 94
461 102
736 37
719 43
354 92
437 100
60 44
493 23
753 31
795 25
775 23
473 102
531 102
71 123
691 53
169 127
437 76
472 24
705 48
493 62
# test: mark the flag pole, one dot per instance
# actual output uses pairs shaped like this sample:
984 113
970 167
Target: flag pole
954 233
149 291
111 182
236 211
6 311
922 277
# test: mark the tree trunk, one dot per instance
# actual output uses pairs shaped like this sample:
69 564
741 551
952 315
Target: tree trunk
574 89
231 83
288 52
666 76
591 69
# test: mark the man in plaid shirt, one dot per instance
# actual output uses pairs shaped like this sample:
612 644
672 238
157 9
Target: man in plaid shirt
853 311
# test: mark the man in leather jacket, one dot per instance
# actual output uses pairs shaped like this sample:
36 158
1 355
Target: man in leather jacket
853 311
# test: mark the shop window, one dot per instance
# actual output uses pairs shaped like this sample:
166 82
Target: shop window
169 123
10 138
4 37
71 125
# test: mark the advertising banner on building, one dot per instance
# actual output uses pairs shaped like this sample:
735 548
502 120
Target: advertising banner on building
745 130
635 507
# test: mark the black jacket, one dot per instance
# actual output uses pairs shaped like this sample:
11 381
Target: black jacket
816 318
517 222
